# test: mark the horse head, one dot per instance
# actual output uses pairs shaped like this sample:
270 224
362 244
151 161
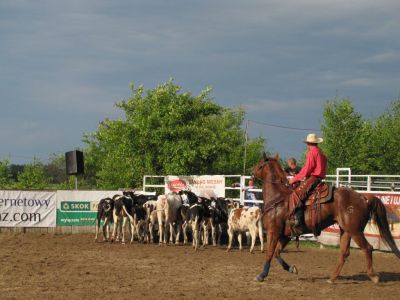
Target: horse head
269 169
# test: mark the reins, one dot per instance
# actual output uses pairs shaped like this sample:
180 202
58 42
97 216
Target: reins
274 203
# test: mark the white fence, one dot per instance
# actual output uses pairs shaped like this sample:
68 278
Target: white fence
385 187
343 177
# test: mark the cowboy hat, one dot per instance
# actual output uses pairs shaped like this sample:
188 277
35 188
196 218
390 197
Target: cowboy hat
313 139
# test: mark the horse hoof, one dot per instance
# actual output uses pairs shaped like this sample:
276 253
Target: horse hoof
293 270
259 278
331 281
375 279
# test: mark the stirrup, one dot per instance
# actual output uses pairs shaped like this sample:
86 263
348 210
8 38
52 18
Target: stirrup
296 231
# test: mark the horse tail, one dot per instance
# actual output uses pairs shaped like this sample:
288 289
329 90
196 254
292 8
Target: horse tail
378 212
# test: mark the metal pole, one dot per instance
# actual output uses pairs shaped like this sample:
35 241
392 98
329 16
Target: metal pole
245 147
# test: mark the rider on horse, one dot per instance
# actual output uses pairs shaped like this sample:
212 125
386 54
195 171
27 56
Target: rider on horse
313 172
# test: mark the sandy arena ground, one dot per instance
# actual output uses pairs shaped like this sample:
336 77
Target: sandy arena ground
46 266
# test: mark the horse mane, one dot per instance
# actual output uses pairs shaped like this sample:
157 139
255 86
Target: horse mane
279 172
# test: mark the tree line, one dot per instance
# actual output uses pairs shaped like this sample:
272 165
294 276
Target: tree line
166 130
366 146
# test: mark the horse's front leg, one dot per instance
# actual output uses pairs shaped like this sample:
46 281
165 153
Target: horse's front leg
272 241
279 247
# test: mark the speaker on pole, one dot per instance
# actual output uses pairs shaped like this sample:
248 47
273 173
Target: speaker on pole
74 162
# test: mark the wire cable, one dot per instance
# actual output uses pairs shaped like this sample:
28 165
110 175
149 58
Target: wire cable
283 127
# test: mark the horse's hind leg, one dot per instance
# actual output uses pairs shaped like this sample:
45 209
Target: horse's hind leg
344 253
362 242
279 247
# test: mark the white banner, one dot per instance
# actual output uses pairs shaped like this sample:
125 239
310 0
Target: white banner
27 209
204 186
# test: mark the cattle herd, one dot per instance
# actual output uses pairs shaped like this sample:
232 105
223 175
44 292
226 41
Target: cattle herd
198 219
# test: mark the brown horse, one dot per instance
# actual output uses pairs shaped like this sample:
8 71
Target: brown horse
349 209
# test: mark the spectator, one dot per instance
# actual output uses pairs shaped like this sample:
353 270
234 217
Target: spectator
250 195
292 169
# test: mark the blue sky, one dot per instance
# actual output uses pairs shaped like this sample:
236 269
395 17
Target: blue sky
63 64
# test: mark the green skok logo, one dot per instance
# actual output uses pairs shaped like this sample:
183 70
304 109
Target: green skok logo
75 206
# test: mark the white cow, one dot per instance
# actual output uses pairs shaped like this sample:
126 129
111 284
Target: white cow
158 217
174 202
151 219
245 219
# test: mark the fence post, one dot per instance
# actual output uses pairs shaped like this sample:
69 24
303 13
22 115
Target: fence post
242 186
369 183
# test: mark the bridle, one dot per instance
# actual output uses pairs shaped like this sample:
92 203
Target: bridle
262 166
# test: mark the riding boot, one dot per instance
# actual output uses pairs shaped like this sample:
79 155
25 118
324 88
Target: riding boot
299 217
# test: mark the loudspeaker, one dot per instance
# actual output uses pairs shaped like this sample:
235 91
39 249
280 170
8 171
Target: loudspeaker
74 162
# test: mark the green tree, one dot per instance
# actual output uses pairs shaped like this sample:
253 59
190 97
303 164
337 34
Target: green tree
55 169
385 141
167 131
344 131
5 175
33 177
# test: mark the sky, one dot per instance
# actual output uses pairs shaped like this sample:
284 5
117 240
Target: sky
64 64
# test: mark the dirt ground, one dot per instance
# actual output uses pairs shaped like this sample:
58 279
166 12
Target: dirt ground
47 266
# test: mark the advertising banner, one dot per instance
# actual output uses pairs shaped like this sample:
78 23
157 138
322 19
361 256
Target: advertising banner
79 208
205 186
27 209
330 235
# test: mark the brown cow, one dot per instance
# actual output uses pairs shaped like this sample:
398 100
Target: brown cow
242 220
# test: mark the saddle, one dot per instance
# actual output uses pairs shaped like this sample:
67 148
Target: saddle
322 193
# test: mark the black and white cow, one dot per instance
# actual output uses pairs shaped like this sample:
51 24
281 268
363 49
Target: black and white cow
188 212
216 219
123 207
140 213
104 212
195 220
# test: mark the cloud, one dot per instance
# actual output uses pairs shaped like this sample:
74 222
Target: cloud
69 61
390 56
74 98
362 82
280 106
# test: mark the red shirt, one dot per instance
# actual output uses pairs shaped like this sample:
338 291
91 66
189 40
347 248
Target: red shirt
315 165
